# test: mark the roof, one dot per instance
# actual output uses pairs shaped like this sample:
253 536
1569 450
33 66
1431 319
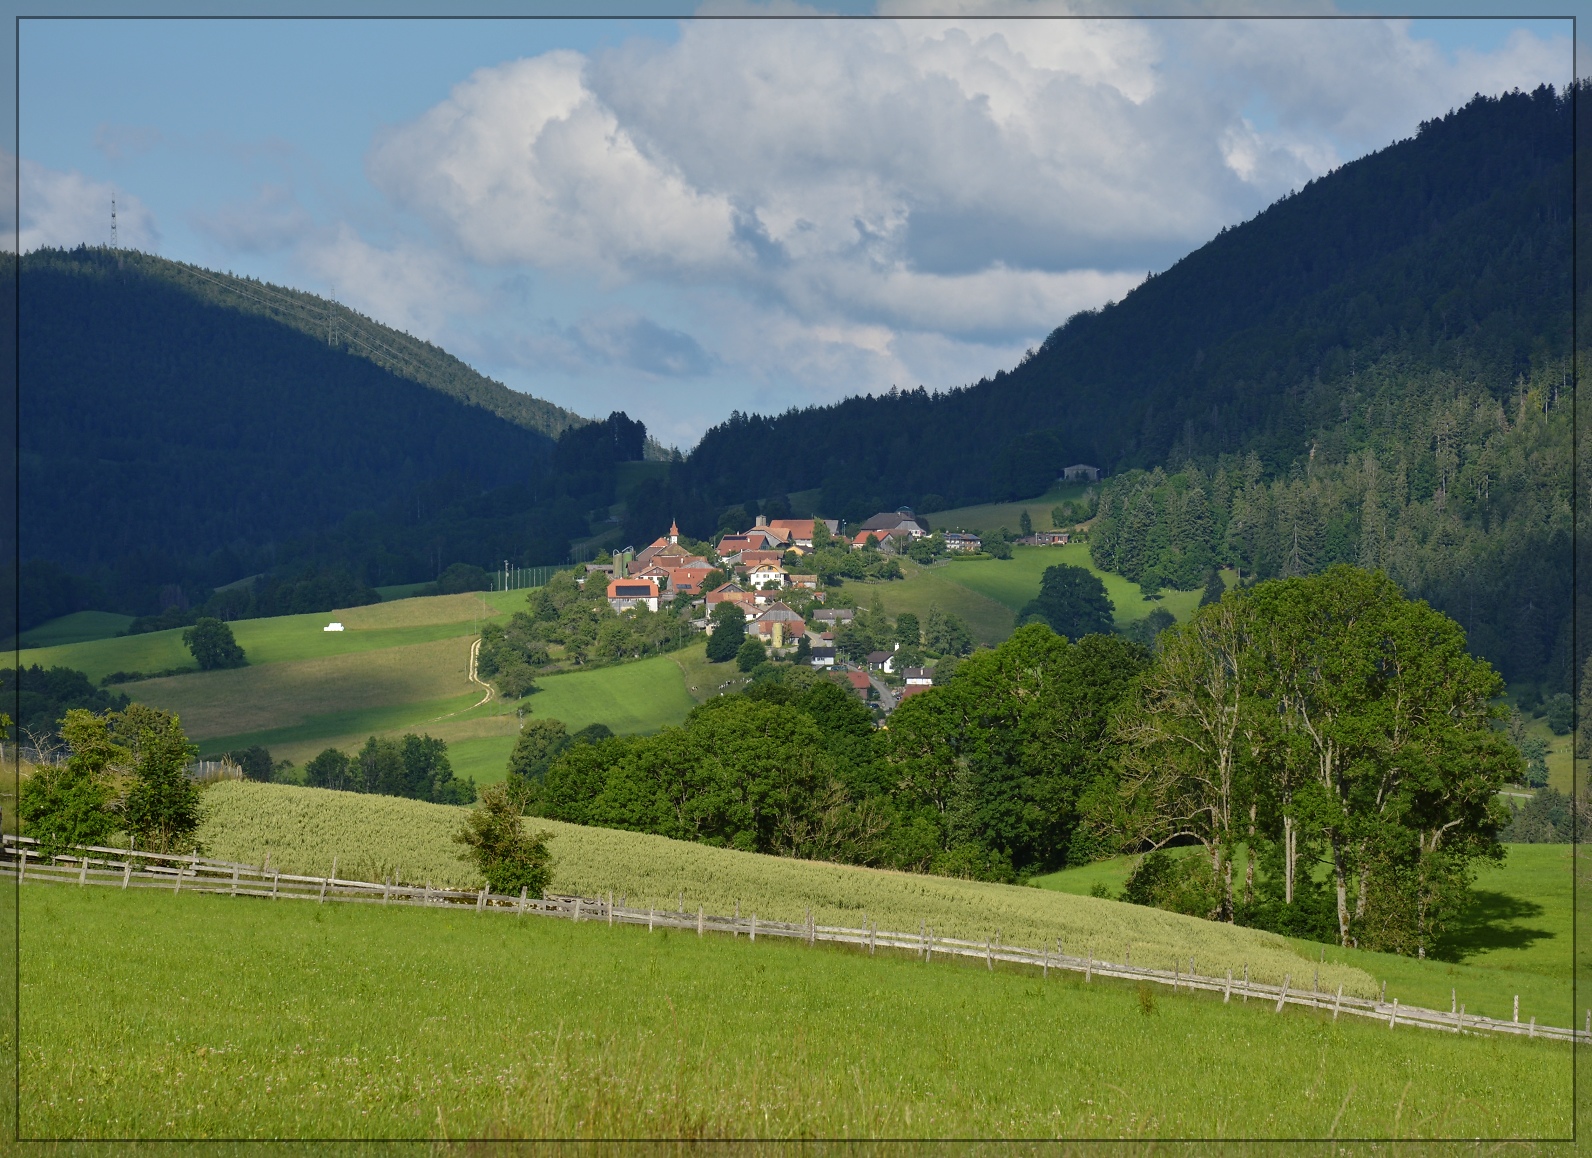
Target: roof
777 610
889 520
878 656
835 613
912 690
823 652
794 528
632 589
959 535
858 680
918 673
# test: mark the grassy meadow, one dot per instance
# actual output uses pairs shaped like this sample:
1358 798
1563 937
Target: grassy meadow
283 1020
373 836
1516 938
398 666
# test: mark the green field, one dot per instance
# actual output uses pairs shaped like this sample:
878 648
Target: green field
78 627
1516 938
988 517
303 829
299 1020
398 666
988 592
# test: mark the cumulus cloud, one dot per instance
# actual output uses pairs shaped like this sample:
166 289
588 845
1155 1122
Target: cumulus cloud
979 178
67 209
412 287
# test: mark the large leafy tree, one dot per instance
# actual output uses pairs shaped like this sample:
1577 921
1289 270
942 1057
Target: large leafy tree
1072 601
729 632
212 645
1003 755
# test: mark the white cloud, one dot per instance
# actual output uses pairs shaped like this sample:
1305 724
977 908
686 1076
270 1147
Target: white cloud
522 163
411 287
66 209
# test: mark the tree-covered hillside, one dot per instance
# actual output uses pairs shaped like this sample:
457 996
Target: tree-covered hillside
1448 251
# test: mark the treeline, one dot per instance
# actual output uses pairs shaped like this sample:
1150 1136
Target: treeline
414 766
1463 499
1323 723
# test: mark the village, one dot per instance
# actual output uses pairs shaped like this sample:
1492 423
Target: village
772 573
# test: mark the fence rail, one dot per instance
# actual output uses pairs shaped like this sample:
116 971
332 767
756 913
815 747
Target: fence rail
21 859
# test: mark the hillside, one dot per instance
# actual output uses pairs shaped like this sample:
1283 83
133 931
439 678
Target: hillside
1448 251
377 835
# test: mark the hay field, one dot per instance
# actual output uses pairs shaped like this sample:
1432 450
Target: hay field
303 828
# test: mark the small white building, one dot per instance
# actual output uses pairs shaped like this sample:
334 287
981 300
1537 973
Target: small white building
333 626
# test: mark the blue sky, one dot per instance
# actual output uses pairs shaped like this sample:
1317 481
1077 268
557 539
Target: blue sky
678 218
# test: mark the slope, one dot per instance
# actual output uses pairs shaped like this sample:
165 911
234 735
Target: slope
1449 250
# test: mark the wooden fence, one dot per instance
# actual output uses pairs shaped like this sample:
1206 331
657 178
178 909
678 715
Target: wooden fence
123 868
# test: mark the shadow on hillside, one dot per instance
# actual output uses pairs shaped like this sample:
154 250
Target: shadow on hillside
1491 922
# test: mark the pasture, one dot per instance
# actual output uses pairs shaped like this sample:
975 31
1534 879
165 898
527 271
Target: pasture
1517 937
988 517
987 593
284 1019
374 836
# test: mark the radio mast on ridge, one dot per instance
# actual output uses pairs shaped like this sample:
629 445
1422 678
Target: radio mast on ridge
113 221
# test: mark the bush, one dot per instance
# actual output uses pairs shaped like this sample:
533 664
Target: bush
497 844
749 655
1181 884
459 578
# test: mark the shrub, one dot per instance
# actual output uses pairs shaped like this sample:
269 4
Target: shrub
498 845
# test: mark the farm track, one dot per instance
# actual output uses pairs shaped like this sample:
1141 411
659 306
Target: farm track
118 868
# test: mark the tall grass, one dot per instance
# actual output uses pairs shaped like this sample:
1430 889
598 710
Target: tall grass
372 836
149 1015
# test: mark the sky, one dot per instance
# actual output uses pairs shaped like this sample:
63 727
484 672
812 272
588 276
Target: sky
684 217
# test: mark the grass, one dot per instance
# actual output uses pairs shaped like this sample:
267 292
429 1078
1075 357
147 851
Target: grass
299 1020
79 627
304 828
988 592
993 516
1516 938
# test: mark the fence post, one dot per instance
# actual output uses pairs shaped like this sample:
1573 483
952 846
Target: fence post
127 872
1393 1020
386 889
1337 1002
22 869
1283 996
1453 1001
1533 1032
234 882
275 877
1227 990
177 888
1088 966
523 889
82 870
873 931
610 907
1174 974
754 928
735 929
480 901
576 913
989 960
700 910
649 918
1517 1009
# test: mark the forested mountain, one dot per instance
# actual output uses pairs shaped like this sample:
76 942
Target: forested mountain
1449 252
176 434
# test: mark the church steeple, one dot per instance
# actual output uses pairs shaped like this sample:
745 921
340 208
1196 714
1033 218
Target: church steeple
674 531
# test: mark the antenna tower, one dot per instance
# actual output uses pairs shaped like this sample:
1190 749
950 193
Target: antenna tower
113 221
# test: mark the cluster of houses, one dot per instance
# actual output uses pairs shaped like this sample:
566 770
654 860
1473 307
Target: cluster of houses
754 561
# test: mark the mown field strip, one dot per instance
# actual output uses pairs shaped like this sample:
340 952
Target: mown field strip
154 870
